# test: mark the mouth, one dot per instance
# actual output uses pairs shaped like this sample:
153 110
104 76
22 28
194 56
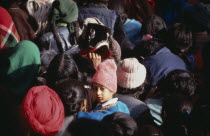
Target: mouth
99 98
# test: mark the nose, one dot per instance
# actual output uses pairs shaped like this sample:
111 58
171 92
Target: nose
98 91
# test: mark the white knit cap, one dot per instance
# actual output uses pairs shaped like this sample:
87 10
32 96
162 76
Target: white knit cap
130 73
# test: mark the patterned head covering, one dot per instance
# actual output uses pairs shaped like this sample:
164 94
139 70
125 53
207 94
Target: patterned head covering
9 36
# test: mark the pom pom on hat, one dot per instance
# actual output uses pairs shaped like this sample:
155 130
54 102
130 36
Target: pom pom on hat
43 110
130 73
106 75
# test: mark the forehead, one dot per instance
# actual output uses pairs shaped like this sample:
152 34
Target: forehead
97 85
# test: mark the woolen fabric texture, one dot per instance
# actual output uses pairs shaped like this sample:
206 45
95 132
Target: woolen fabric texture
115 49
19 67
106 75
43 110
130 73
9 36
23 22
65 11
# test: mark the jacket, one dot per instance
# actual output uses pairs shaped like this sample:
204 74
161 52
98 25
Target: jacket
48 41
161 64
96 114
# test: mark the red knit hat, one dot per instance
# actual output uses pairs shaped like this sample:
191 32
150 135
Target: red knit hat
43 110
106 75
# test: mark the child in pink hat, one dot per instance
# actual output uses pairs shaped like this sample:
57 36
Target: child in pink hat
104 85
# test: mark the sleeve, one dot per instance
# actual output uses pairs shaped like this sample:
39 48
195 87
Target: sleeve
93 115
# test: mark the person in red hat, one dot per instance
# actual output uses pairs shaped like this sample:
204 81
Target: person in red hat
43 111
104 85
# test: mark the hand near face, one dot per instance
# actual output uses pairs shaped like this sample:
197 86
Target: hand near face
95 59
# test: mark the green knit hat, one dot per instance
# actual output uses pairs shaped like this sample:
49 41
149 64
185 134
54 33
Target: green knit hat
65 11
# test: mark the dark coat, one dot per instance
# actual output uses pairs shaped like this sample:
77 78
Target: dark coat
161 64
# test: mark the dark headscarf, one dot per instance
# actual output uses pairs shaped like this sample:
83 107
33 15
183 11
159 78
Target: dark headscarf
19 67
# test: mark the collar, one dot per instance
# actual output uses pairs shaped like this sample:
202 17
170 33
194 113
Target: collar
164 49
114 100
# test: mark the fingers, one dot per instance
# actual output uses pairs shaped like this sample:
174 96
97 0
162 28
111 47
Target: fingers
95 59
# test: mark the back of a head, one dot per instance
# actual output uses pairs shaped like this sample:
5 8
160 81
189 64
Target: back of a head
80 2
84 127
121 124
43 110
148 48
46 57
149 130
119 6
179 81
131 76
181 38
62 66
153 25
72 94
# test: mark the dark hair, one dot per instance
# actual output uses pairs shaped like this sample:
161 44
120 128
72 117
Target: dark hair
181 38
62 66
121 124
180 41
148 48
135 92
119 6
84 127
155 26
72 94
150 130
81 2
175 113
46 57
178 81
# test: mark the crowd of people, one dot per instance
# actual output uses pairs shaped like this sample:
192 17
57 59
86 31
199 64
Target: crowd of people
104 67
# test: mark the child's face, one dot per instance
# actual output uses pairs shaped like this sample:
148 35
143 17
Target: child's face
101 93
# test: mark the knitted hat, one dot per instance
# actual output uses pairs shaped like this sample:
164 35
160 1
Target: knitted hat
115 49
130 73
65 11
43 110
106 75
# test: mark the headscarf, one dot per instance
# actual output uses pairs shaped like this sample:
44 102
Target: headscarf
9 36
65 11
40 11
43 110
24 23
19 67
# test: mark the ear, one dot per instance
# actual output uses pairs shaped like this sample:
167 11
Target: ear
141 57
84 106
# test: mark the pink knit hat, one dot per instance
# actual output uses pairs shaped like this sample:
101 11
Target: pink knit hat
130 73
106 75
